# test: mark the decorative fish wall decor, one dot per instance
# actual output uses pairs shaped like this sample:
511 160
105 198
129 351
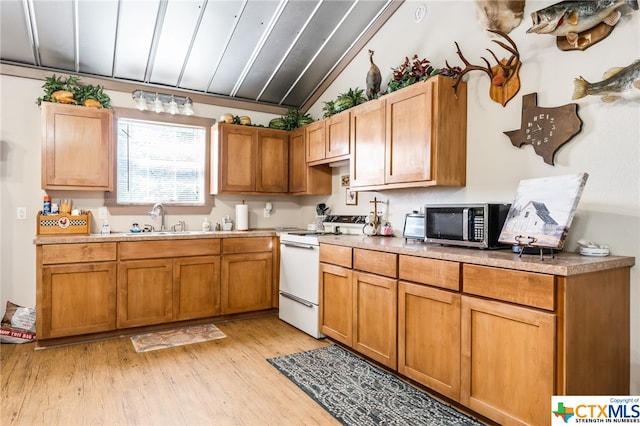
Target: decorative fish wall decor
579 24
617 83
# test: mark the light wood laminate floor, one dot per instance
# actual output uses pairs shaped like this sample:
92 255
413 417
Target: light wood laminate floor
221 382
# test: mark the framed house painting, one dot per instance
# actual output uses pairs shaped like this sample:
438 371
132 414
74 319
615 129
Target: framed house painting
542 211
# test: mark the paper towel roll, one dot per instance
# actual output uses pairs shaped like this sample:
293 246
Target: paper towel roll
242 217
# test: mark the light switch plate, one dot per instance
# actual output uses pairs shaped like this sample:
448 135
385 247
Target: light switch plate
21 213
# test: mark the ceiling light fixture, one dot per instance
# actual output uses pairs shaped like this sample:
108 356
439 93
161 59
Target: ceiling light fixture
161 102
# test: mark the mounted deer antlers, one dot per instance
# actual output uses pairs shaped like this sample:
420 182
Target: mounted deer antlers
505 81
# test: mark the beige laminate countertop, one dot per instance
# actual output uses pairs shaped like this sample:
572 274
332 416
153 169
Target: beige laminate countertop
150 236
564 264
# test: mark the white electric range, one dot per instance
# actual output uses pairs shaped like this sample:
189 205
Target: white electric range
299 271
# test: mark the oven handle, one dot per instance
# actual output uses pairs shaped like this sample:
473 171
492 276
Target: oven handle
298 245
296 299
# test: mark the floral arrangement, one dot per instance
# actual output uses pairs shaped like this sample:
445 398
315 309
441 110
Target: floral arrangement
415 70
70 91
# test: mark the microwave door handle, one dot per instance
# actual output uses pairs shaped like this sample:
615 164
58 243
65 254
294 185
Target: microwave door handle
465 224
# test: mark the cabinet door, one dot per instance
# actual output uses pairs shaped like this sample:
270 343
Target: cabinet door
196 287
297 162
76 299
375 317
336 132
508 359
408 134
367 144
429 337
76 147
145 292
336 303
246 282
314 134
272 161
305 179
237 158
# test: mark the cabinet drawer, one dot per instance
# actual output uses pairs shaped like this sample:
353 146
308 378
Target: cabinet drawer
336 255
439 273
246 245
75 253
168 248
376 262
524 288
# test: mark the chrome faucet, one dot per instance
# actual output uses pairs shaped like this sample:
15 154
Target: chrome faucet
158 210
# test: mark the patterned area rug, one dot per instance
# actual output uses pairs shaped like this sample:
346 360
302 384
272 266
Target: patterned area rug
357 393
176 337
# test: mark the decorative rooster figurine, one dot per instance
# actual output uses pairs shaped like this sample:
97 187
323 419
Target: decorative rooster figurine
374 78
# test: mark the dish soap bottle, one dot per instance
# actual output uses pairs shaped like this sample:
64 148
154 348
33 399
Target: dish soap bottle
106 229
206 226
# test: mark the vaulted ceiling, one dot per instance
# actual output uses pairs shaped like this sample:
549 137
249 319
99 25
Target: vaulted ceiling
272 52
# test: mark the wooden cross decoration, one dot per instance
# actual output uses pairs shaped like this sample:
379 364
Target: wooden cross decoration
547 129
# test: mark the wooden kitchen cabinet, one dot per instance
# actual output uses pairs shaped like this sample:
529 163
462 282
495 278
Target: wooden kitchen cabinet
358 308
163 281
508 355
75 290
77 148
247 274
247 159
336 302
416 136
328 139
196 287
145 292
429 323
366 166
305 179
375 317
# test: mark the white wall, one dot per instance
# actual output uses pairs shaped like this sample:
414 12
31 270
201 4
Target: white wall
608 147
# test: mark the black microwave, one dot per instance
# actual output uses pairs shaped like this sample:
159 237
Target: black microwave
468 225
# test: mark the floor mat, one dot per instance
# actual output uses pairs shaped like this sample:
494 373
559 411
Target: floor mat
356 392
176 337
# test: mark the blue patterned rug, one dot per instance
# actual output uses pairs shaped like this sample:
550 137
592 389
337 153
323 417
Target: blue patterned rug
359 394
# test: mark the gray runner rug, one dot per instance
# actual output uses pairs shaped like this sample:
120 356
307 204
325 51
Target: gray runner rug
357 393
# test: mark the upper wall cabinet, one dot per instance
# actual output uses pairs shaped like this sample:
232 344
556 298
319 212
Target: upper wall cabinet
328 140
412 137
77 147
249 160
303 178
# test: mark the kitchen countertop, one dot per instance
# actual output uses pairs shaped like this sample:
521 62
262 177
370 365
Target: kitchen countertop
150 236
563 264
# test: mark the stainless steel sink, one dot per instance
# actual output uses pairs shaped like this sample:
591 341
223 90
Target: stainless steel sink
164 233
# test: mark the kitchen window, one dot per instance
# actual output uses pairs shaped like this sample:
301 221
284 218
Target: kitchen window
160 158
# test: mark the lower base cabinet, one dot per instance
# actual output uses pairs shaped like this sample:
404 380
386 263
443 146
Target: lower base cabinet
145 291
498 341
246 282
508 355
358 309
336 302
88 288
429 337
375 317
78 299
247 274
196 287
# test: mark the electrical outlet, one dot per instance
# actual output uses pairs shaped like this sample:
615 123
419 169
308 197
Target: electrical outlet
103 213
21 213
267 213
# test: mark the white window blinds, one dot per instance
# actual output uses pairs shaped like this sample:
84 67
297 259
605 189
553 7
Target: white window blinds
159 162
